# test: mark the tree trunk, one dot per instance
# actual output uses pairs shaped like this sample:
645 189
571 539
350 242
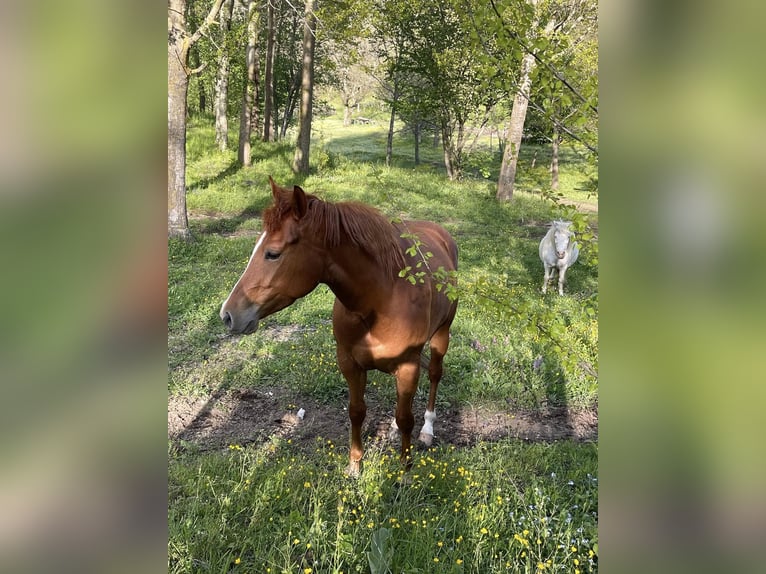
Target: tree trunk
452 149
555 158
290 103
346 113
268 87
178 86
202 98
507 177
416 133
222 81
390 138
301 160
179 43
248 93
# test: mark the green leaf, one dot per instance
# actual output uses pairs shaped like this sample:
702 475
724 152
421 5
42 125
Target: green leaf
381 552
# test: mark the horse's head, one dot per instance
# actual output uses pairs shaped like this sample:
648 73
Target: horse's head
562 235
283 267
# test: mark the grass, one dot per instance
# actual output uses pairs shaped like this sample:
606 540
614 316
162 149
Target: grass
496 507
503 507
511 347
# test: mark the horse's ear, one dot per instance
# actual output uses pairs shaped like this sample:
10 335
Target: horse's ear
274 189
300 202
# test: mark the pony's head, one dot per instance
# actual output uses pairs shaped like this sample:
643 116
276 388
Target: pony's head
562 235
283 267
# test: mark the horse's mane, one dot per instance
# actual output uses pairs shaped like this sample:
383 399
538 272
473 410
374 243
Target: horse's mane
348 222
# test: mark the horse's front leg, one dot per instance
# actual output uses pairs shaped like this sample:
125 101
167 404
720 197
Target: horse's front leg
562 273
406 384
356 377
548 274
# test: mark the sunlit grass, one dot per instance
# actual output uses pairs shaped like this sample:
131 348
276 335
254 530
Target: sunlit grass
490 358
505 507
274 506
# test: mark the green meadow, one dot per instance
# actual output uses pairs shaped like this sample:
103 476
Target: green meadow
282 503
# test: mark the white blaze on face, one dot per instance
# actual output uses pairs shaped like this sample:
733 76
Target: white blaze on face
255 249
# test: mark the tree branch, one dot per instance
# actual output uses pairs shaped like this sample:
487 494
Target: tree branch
549 66
209 20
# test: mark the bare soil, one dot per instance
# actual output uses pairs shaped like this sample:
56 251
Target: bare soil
245 416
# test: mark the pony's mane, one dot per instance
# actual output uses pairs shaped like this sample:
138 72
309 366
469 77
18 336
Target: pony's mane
347 222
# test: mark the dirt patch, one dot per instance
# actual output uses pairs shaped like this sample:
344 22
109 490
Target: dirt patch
245 416
584 206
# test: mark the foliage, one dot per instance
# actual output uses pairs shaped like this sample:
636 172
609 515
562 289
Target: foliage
437 80
562 36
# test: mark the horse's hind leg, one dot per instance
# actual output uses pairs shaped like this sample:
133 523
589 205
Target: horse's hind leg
439 344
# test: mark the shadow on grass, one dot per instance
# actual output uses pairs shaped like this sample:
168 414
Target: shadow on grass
205 182
230 225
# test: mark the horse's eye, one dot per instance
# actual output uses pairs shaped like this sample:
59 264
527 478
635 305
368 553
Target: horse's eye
272 256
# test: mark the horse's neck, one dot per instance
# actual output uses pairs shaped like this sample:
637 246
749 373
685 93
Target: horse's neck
357 281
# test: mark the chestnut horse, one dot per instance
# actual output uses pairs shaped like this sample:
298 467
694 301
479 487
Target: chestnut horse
380 320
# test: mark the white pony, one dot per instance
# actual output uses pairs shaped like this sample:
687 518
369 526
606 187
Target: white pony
558 250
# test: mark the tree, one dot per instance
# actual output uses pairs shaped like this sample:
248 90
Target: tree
179 43
568 23
248 116
507 177
222 80
268 84
302 148
436 73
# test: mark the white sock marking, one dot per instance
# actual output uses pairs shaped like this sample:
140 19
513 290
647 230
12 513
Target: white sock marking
428 425
257 245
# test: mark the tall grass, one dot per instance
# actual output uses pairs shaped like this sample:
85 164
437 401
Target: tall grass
503 507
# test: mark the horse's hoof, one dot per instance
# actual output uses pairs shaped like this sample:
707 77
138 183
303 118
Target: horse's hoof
353 469
393 433
426 439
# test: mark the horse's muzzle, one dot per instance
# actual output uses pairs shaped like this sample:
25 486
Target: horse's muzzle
244 324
